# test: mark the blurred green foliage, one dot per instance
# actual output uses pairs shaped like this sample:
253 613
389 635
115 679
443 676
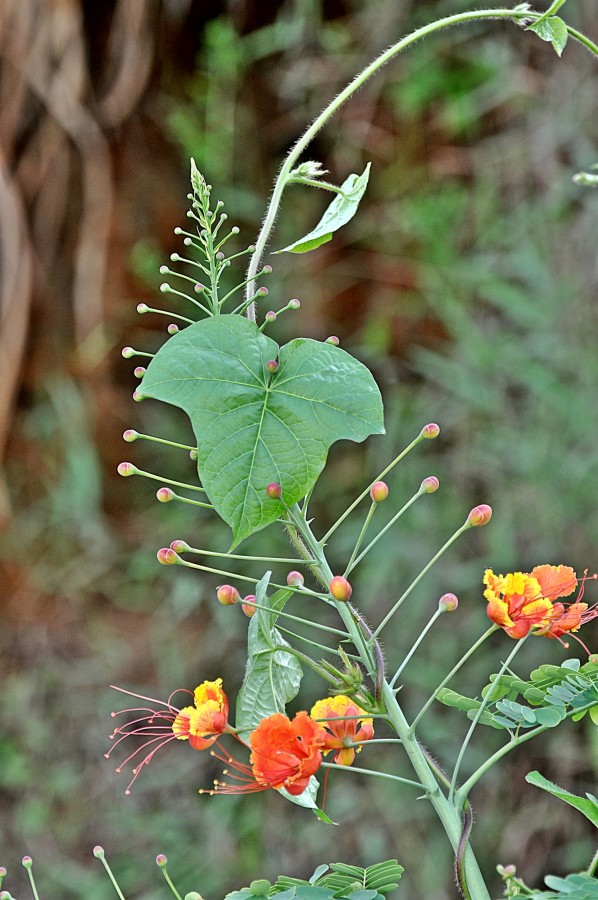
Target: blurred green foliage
467 283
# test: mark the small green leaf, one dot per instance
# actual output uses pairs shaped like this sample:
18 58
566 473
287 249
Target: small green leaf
253 428
551 11
341 210
273 675
550 718
553 30
586 805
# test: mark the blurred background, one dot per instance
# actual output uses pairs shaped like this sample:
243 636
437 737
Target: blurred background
467 282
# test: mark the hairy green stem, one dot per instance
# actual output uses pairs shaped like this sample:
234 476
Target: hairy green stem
593 867
360 79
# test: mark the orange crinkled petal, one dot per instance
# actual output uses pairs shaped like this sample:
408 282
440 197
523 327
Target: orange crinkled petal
555 581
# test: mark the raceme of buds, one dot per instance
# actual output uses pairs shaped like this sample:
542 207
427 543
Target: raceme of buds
274 491
295 579
430 431
247 605
448 603
227 594
379 491
340 588
479 515
430 484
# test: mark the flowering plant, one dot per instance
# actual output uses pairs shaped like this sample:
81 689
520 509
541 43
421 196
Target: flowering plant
264 417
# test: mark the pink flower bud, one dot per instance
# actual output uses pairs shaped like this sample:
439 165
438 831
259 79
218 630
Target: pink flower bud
27 862
274 491
332 340
98 851
165 495
262 292
270 316
125 469
480 515
137 397
142 308
448 603
294 303
161 860
130 435
379 491
272 366
295 579
199 288
247 606
430 484
430 431
227 595
173 328
139 371
127 352
340 588
167 557
180 547
267 270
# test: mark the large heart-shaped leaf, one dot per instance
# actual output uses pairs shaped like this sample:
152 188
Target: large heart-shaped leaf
341 210
253 428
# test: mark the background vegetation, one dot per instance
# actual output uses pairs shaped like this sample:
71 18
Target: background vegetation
467 283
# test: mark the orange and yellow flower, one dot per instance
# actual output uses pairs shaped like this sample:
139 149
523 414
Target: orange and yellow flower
200 724
285 753
521 602
342 733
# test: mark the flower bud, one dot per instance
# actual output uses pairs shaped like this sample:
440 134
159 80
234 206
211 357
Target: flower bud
199 288
139 371
270 316
161 860
173 328
430 431
27 862
262 292
194 455
137 396
180 547
267 270
379 491
448 603
127 352
165 495
98 851
247 605
274 491
340 588
167 557
272 366
193 895
142 308
227 595
125 469
480 515
130 435
429 484
294 303
332 340
295 579
220 254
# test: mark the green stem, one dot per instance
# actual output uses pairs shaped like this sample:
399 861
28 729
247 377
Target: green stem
417 580
358 82
169 883
313 182
473 882
480 710
364 493
451 674
383 531
272 559
387 775
465 788
593 867
418 641
359 542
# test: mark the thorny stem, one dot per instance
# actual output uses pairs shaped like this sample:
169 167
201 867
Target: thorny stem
515 15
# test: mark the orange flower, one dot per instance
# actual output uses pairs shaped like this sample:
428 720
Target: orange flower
342 733
200 724
521 602
516 603
284 754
